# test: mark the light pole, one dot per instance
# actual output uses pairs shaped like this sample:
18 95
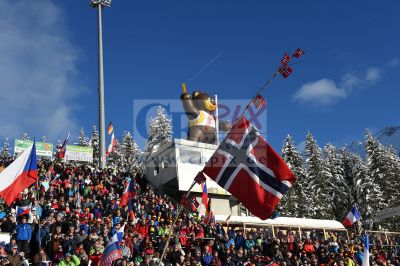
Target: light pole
99 4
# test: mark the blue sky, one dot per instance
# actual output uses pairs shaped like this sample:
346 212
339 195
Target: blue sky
347 82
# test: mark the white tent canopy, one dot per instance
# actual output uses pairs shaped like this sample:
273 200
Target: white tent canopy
282 222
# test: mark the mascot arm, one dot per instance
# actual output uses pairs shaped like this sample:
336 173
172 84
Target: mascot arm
224 125
191 110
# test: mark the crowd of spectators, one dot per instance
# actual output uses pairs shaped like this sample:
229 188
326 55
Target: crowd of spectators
76 209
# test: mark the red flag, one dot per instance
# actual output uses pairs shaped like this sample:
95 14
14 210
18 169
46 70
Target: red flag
286 59
285 71
61 153
247 166
298 53
204 196
259 101
200 178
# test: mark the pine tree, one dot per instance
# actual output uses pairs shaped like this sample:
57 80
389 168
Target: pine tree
25 136
297 201
43 139
317 175
338 187
5 151
94 142
116 159
83 140
132 156
159 131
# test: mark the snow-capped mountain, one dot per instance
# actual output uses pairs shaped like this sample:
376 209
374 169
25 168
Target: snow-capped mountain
387 136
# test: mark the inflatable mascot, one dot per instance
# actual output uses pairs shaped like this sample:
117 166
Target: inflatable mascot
199 108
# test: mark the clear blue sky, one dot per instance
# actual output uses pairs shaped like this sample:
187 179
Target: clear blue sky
348 81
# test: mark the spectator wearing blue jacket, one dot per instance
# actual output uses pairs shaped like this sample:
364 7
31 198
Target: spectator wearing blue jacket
24 234
240 242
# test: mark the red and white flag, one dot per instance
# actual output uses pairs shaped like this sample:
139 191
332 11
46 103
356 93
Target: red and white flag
19 175
111 145
259 101
246 165
286 59
285 71
298 53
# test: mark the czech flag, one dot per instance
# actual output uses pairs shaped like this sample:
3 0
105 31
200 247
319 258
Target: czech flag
110 129
352 217
19 175
128 194
204 196
24 210
365 261
61 153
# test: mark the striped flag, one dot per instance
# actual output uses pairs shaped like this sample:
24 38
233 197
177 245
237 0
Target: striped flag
352 217
19 175
365 261
24 210
204 196
110 129
61 153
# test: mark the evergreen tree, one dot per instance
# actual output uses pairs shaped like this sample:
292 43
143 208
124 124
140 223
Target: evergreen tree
297 201
116 159
94 142
25 136
340 190
159 131
132 156
83 140
5 151
317 175
43 139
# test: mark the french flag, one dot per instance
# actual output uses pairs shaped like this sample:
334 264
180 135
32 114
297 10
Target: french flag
204 196
19 175
352 217
365 261
128 194
111 251
24 210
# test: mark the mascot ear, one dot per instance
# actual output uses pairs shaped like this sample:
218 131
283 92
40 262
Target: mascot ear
195 93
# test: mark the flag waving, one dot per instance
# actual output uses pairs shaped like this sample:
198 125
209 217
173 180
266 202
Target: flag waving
247 166
61 153
352 217
19 175
110 129
128 194
365 261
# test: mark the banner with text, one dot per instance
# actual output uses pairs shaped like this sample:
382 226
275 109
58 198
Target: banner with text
79 153
42 148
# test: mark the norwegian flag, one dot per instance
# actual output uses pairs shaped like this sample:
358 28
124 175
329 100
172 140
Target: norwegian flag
259 101
286 59
247 166
298 53
200 178
61 153
285 71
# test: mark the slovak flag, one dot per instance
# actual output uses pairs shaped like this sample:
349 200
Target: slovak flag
246 165
352 217
111 251
24 210
365 261
19 175
204 196
128 194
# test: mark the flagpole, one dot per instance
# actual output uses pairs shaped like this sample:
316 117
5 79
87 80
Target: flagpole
180 208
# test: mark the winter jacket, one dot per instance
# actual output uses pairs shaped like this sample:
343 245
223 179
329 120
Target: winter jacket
74 261
239 241
24 232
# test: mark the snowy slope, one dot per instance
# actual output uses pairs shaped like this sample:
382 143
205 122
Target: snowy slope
387 136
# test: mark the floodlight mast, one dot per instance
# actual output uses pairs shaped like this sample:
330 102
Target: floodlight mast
99 4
